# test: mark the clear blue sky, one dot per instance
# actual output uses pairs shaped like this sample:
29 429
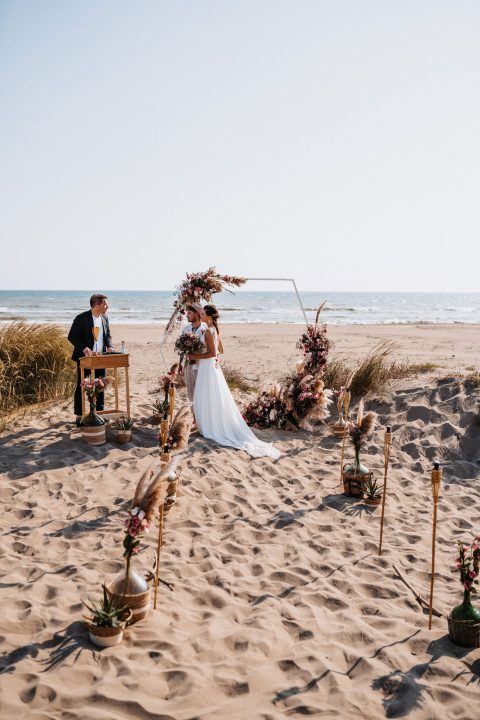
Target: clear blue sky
335 141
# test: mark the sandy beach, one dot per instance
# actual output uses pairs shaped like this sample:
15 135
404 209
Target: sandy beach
281 605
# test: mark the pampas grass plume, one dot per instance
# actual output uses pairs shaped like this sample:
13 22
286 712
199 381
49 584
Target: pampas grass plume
360 413
180 431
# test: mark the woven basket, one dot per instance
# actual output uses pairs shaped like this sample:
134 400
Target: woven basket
353 484
123 436
94 434
339 431
135 595
465 633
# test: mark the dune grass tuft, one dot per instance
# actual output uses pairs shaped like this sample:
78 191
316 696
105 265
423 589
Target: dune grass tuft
34 366
236 380
374 373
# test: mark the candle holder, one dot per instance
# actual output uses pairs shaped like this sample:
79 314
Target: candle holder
436 484
387 444
347 396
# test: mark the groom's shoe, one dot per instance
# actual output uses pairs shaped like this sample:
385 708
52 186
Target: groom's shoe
78 421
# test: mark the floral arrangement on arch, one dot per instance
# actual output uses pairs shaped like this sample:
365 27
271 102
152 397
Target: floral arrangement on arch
197 287
300 400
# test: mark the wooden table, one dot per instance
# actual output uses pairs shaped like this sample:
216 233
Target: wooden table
108 361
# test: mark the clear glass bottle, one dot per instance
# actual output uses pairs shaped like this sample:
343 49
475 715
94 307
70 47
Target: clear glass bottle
122 349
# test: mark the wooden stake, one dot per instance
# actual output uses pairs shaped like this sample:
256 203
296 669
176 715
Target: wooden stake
387 443
346 406
436 482
421 601
159 546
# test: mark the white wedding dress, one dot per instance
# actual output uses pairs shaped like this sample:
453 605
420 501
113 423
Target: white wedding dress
217 415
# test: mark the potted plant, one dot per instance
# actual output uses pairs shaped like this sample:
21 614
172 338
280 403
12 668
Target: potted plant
123 429
464 620
107 621
373 491
93 425
356 474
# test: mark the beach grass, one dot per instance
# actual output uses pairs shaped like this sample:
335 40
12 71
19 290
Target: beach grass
35 366
236 380
375 372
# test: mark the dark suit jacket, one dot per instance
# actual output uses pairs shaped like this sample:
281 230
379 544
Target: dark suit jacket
81 334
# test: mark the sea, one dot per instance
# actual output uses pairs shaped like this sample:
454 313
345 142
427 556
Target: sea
243 306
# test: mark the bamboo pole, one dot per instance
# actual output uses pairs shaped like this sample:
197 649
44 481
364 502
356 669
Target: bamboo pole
171 402
387 443
163 433
159 546
436 482
421 601
346 406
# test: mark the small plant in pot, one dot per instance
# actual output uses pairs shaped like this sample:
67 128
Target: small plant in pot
464 620
356 474
373 491
123 429
107 621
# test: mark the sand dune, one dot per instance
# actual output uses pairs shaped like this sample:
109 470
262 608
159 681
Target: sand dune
281 607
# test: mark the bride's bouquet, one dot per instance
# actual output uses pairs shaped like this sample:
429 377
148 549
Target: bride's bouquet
189 343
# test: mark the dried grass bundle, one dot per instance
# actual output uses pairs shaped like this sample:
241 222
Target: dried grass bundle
180 431
141 485
368 424
148 493
319 311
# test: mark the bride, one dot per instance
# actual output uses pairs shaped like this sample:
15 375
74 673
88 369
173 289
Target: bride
216 414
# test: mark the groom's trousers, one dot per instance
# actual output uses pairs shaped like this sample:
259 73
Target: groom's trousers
190 374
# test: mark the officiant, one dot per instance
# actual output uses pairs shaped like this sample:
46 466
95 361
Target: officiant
90 335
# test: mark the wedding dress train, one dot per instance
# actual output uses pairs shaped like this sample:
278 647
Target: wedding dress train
218 417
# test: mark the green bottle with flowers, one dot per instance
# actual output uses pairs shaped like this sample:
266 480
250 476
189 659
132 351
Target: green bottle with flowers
467 563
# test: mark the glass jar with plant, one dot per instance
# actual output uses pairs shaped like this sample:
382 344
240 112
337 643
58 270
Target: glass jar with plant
464 619
467 563
92 388
355 474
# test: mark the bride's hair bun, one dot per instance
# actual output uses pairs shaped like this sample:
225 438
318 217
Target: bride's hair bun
213 314
211 311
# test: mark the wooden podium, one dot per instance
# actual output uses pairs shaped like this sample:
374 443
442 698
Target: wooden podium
108 361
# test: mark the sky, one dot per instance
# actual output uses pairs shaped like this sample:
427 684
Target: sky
333 141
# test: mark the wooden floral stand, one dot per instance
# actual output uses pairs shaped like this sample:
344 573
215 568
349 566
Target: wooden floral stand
108 361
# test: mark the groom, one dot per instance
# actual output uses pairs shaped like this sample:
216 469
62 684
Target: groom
198 327
90 335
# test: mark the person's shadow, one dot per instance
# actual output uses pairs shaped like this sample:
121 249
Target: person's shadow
68 642
403 691
30 450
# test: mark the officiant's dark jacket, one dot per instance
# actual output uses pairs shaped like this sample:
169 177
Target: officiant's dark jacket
81 334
